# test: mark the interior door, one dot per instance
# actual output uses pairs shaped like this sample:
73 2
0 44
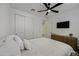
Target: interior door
19 25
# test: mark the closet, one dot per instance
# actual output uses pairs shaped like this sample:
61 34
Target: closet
23 27
26 26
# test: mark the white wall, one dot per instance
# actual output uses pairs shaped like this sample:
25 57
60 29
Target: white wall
71 15
33 24
4 19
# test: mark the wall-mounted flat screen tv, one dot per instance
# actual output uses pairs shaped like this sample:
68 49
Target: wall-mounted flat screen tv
64 24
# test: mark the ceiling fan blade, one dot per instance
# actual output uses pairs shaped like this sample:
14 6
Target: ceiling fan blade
56 5
56 11
47 13
46 5
41 10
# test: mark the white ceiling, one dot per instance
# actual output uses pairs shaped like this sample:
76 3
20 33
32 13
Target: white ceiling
39 6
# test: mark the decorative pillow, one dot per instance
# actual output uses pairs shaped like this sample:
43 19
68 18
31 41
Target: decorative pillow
17 40
27 44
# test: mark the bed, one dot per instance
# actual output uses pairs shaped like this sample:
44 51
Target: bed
57 46
38 47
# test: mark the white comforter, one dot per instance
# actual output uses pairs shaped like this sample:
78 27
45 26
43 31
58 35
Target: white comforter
8 47
47 47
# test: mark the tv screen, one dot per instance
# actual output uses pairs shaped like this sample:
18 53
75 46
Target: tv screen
64 24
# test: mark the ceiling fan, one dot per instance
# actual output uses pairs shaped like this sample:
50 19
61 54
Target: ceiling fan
49 9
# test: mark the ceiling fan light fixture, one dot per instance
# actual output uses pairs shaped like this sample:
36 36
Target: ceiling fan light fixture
48 10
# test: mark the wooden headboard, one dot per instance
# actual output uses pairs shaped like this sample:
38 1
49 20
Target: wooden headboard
72 41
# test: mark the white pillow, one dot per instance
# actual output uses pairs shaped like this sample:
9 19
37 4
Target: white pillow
27 44
17 40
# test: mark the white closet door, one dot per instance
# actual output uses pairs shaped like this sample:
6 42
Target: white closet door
28 28
19 27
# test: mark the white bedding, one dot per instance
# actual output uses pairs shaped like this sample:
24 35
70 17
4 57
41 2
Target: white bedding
39 47
9 48
47 47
